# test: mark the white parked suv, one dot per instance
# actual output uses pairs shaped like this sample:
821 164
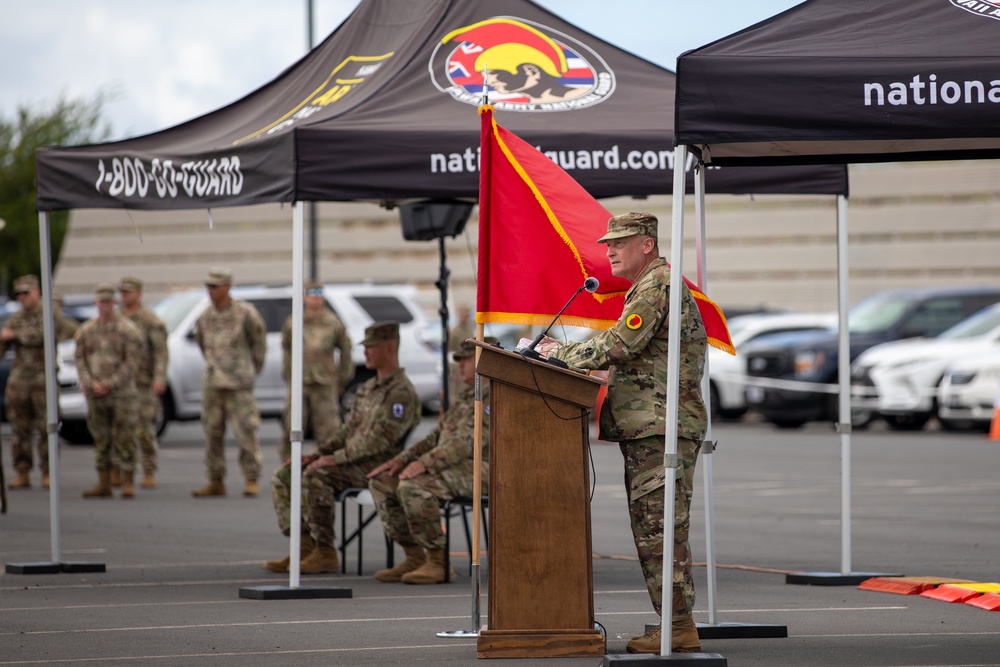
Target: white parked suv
968 392
899 380
357 306
727 373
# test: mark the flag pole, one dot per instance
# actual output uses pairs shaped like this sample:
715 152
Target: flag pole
477 473
477 504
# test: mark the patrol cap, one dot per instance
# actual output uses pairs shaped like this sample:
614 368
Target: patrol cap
130 284
219 276
25 284
468 349
104 292
381 332
630 224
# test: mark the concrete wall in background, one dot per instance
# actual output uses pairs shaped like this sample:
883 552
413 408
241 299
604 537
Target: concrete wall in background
913 224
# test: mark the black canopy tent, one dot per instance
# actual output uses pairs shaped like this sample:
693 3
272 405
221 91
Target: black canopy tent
838 81
853 81
384 110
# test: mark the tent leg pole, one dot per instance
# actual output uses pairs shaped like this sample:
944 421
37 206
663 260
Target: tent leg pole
51 421
294 591
844 375
845 577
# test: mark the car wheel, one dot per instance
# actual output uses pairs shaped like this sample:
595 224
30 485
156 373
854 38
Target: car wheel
160 423
910 422
956 424
76 433
715 412
734 414
862 419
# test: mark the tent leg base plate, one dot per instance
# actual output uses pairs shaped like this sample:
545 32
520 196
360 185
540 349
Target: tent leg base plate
834 578
289 593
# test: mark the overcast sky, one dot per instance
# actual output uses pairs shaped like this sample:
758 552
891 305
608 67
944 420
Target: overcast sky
162 62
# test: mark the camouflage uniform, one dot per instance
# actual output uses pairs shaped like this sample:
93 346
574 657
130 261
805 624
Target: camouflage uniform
322 336
152 367
410 509
634 415
385 410
233 342
110 353
25 394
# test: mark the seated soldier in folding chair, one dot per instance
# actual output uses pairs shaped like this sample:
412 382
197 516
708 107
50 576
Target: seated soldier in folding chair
408 488
386 408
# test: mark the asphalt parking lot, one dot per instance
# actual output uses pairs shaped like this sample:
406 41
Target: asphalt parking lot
923 504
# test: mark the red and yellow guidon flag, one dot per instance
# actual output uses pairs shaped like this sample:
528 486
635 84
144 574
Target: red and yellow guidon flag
538 231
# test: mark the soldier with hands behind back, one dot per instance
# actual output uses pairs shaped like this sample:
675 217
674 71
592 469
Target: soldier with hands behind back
150 376
232 338
25 395
108 348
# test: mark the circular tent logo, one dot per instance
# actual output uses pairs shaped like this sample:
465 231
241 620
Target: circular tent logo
987 8
529 67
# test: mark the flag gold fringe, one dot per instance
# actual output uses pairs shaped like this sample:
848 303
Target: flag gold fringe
542 320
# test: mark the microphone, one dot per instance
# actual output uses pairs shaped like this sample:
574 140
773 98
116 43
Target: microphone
590 284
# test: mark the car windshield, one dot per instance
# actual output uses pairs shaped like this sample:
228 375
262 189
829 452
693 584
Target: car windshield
981 323
877 313
173 309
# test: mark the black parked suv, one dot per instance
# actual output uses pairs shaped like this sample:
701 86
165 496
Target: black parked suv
812 357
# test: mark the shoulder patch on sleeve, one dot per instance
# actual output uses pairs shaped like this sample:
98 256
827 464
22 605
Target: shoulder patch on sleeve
397 410
633 321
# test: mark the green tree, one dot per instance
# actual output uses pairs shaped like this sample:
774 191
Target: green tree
68 122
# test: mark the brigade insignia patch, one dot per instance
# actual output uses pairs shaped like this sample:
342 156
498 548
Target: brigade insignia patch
633 321
397 410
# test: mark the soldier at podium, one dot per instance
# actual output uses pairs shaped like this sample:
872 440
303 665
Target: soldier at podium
408 488
634 352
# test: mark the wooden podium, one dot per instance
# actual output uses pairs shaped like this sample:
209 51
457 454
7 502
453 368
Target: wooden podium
541 583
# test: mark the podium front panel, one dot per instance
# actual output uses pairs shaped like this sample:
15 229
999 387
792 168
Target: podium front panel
540 568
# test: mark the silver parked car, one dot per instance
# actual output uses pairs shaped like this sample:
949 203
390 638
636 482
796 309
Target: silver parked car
357 305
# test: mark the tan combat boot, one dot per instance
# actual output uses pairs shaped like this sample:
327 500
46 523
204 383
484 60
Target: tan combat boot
415 557
306 545
323 559
250 488
647 643
431 572
683 638
115 478
103 488
684 635
23 481
214 488
128 489
45 479
148 481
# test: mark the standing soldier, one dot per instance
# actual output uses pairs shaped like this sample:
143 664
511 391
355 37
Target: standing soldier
26 384
409 487
324 377
231 336
634 352
150 374
108 348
